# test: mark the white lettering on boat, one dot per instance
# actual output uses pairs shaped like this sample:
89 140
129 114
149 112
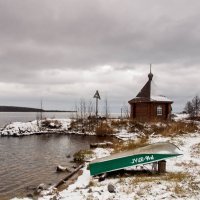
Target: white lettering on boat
142 159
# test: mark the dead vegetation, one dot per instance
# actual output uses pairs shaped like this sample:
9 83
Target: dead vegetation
179 190
82 155
171 176
135 126
130 145
173 128
174 182
196 150
119 123
104 129
187 165
50 123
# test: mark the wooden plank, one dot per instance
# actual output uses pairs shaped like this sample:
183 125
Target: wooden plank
68 176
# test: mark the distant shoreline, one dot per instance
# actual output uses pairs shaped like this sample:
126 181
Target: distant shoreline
27 109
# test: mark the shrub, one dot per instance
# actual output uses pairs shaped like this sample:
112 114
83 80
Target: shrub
130 145
82 155
119 123
104 129
176 128
135 126
51 124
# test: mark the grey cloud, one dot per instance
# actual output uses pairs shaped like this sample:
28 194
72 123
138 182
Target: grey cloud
43 40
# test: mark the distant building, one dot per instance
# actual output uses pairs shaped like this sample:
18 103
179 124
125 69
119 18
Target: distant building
146 107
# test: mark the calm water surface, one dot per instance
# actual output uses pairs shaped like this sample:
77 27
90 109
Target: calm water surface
8 117
28 161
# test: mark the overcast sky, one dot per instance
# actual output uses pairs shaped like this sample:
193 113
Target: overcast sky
64 50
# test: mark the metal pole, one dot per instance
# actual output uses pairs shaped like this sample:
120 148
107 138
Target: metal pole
96 107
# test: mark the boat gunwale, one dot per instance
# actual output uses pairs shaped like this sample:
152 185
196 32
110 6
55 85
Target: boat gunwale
134 152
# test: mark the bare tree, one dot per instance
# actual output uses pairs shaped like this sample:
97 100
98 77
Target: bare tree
193 107
196 105
82 108
90 108
107 112
189 108
125 111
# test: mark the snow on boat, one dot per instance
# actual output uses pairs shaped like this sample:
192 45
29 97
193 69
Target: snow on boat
143 155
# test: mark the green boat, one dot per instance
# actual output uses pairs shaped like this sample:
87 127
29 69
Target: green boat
140 156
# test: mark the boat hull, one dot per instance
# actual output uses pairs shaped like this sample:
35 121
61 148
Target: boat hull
108 165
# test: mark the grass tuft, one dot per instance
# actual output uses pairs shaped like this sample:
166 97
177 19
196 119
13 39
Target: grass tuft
130 145
82 155
104 129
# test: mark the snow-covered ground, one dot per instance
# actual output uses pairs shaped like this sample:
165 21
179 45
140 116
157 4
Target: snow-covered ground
182 180
34 127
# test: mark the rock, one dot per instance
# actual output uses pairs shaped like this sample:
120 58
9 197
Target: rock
90 190
42 186
68 156
102 177
29 195
101 145
38 191
111 188
54 198
62 169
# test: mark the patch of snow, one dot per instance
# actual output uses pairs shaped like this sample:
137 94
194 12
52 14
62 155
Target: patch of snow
101 152
20 128
180 116
33 127
156 187
125 135
160 98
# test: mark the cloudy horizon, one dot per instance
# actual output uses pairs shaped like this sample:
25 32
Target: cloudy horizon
62 51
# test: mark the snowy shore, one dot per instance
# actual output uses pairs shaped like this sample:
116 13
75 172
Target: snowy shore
182 180
35 127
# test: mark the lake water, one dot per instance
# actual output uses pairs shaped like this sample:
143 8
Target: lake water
8 117
28 161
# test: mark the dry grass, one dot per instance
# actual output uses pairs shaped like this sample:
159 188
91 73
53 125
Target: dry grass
196 150
130 145
143 178
51 123
178 177
188 165
119 123
81 155
91 183
104 129
175 177
135 126
194 118
179 190
174 128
